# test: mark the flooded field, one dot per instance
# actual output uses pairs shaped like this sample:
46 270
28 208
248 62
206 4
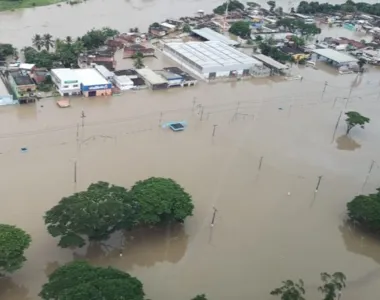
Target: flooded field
261 235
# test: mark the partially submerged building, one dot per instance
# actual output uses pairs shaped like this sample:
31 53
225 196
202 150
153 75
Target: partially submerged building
138 82
335 58
130 51
152 79
208 34
210 60
21 83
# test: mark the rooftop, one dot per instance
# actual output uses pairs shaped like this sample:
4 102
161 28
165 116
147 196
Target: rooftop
104 71
150 76
27 66
336 56
127 72
270 61
65 74
21 77
212 54
90 77
168 75
124 79
211 35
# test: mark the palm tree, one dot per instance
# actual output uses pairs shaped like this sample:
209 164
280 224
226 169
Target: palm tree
290 290
138 63
68 40
361 63
37 42
48 41
333 285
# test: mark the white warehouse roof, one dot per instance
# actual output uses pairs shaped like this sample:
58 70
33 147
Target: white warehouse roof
151 76
90 77
65 74
213 55
336 56
212 35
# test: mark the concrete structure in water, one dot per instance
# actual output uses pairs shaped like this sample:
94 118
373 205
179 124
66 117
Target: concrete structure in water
21 83
210 60
5 97
88 82
152 79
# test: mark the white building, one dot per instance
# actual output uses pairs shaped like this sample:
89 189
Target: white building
107 74
211 59
123 82
66 81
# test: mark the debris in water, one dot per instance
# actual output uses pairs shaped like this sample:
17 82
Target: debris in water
23 150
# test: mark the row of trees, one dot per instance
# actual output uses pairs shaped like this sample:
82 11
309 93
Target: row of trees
331 288
66 51
298 26
349 6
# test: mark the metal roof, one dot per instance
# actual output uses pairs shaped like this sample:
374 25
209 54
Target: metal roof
270 61
212 35
336 56
65 74
212 54
150 76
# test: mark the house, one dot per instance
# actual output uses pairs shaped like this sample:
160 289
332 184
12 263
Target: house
132 38
20 82
168 27
158 31
152 79
130 51
103 56
138 82
39 75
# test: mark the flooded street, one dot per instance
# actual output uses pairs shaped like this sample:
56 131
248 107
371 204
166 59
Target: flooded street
261 235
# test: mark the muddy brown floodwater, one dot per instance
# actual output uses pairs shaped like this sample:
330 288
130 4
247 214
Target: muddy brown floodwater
261 235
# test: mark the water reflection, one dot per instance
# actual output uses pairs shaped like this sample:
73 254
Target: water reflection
11 291
345 142
141 247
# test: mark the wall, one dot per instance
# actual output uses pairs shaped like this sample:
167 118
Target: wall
65 88
107 92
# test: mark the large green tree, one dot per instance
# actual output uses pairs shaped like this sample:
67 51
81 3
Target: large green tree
48 41
232 5
37 41
241 28
332 285
200 297
79 281
161 200
94 213
42 59
96 37
294 26
7 50
353 119
365 210
13 242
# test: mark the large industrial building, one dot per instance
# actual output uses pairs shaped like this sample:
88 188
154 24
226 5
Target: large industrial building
211 59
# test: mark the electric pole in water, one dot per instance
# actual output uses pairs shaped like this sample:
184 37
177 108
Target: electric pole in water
213 217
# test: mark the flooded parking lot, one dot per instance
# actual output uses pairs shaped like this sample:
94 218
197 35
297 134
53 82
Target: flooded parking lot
262 234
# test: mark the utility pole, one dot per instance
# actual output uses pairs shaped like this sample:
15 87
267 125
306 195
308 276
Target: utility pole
336 126
82 117
319 182
324 89
213 131
75 171
213 217
202 113
261 161
368 174
160 120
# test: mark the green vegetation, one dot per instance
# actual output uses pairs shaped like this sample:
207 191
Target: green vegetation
200 297
79 280
15 4
138 61
267 48
66 51
103 209
241 28
349 6
354 119
272 5
331 288
365 210
294 25
7 50
186 28
13 242
233 5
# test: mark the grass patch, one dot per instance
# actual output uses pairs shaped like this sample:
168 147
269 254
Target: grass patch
14 4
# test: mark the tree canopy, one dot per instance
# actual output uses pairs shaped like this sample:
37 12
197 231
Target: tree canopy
161 200
79 280
96 37
290 290
294 25
365 210
241 28
353 119
313 7
332 285
232 5
94 213
13 242
200 297
7 50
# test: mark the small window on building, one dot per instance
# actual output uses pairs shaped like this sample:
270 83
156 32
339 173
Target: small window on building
75 85
65 86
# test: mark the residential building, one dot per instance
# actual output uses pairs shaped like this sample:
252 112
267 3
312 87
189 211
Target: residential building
108 75
66 81
130 51
123 82
92 83
21 83
138 82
